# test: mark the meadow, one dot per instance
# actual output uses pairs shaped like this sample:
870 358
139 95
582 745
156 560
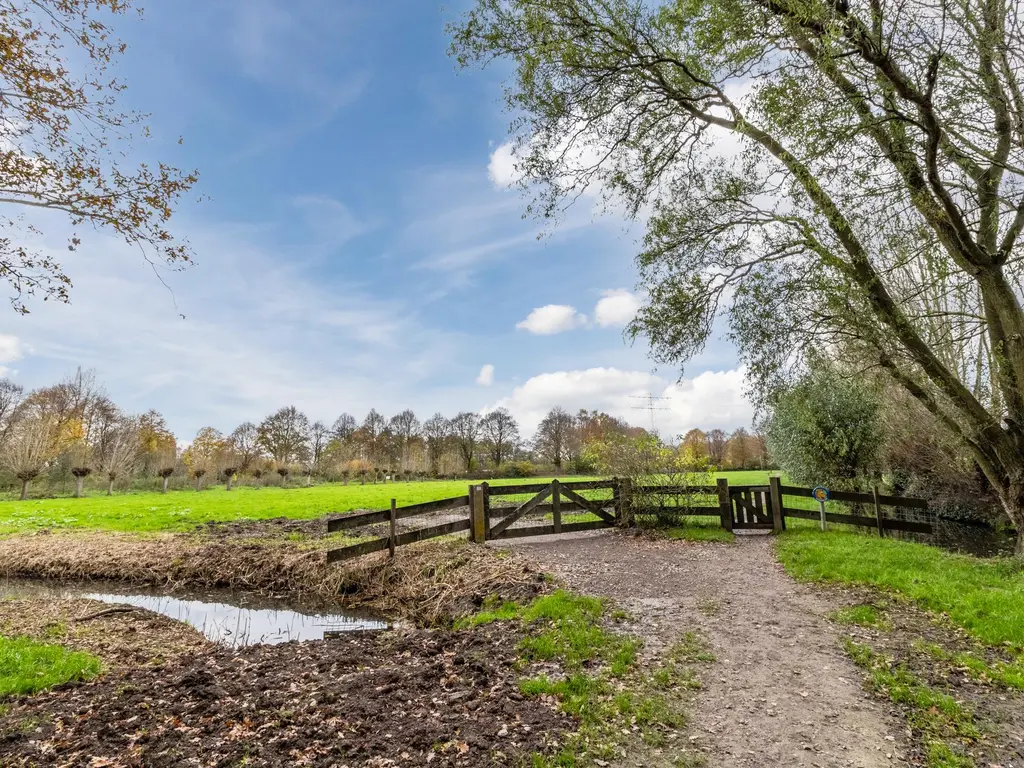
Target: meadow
184 510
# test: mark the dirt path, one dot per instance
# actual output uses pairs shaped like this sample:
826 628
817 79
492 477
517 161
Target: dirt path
781 692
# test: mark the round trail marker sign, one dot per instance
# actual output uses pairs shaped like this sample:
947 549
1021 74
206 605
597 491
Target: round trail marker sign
820 493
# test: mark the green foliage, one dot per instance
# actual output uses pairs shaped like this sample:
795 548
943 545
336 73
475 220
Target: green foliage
567 628
699 531
517 469
826 430
986 597
27 666
603 687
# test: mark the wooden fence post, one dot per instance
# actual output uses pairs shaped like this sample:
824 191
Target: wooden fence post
392 534
477 522
616 501
878 509
556 507
487 509
778 513
724 503
624 505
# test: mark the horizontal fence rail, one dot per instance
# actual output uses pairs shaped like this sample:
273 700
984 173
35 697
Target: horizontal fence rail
360 519
516 490
863 498
409 537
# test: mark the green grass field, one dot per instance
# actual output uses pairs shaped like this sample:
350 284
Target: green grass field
27 666
986 597
184 510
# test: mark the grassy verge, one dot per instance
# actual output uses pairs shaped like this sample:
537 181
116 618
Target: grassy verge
985 597
600 683
27 666
1008 674
864 615
700 529
945 725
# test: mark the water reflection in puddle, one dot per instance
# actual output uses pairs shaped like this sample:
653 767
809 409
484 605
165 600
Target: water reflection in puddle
224 617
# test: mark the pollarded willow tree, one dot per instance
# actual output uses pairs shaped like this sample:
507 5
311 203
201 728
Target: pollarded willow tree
840 175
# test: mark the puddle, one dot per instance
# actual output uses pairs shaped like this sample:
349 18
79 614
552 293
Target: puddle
230 618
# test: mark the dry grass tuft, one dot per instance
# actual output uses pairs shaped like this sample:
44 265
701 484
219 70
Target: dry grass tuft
430 583
436 582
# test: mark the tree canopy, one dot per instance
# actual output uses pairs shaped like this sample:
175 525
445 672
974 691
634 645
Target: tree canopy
832 175
64 140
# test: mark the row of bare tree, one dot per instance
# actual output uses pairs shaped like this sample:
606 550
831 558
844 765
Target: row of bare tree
74 430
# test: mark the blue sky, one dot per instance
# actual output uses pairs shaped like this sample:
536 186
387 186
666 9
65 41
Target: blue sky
357 246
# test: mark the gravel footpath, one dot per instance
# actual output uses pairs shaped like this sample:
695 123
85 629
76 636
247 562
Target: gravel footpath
781 692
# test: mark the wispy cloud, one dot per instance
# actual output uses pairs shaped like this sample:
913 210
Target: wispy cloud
296 52
258 330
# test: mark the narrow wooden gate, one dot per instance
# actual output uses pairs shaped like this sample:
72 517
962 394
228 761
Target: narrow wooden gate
751 507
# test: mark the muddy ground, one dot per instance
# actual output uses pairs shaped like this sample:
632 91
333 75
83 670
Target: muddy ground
781 691
412 697
122 639
909 638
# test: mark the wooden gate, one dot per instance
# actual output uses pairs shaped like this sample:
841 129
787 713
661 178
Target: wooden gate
564 497
751 507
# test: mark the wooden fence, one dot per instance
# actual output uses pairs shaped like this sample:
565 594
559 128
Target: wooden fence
749 506
484 519
738 507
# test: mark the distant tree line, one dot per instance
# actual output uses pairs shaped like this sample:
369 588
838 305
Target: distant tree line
72 433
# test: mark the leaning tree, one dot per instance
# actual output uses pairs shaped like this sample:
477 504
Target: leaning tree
840 175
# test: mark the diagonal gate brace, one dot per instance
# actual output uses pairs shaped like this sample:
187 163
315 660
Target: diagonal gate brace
590 506
523 509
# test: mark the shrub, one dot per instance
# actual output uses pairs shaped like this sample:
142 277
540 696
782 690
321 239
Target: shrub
516 469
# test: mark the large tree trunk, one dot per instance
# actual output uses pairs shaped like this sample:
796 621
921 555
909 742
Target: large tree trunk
24 489
110 486
78 487
231 479
1013 504
164 488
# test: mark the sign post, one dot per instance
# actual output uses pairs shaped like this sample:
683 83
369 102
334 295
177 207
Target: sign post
821 494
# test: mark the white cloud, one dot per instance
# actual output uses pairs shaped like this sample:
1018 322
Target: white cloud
551 319
502 166
616 308
11 348
486 377
708 400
